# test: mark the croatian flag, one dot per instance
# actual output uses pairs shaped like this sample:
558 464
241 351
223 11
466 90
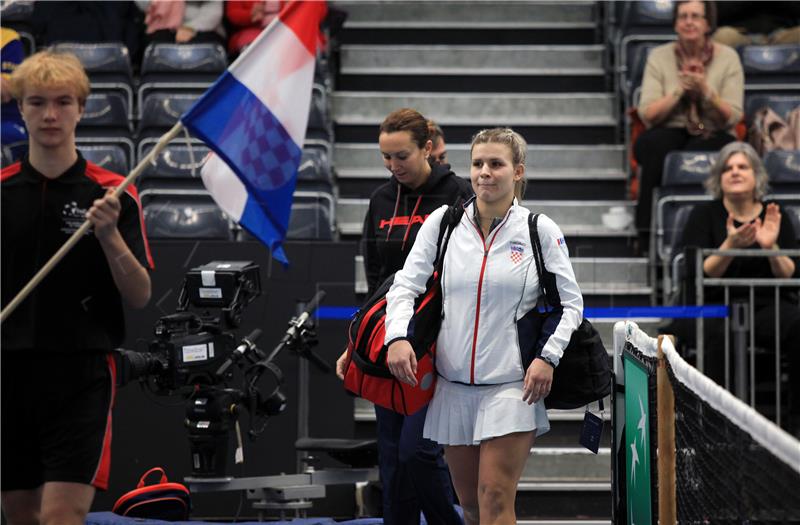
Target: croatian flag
254 117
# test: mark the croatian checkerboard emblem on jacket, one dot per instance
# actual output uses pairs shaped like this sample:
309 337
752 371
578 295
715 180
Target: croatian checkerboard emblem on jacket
517 251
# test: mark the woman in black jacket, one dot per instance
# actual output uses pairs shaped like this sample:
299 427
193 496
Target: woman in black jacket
412 469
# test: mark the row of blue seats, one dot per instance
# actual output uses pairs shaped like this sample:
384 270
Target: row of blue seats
107 116
193 215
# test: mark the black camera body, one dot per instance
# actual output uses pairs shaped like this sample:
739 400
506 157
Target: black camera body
195 353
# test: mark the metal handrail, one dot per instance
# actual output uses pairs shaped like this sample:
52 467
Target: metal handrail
776 284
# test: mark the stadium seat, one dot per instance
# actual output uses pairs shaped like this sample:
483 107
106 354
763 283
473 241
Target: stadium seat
780 104
17 16
685 171
773 66
108 65
13 151
792 209
784 171
184 59
642 21
106 113
176 167
671 214
109 156
312 217
638 52
105 121
184 214
313 173
160 112
320 123
180 67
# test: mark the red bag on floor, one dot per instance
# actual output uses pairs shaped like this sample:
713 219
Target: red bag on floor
161 501
366 374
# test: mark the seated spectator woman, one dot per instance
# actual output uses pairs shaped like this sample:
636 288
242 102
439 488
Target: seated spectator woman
739 218
182 21
692 97
247 18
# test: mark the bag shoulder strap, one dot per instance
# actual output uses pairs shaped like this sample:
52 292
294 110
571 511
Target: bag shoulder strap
450 219
546 278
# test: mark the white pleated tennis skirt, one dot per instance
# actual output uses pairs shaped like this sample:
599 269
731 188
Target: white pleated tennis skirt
466 415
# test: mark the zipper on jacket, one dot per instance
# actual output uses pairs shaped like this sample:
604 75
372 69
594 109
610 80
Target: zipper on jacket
480 288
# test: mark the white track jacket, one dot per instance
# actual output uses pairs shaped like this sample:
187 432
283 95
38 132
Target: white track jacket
488 284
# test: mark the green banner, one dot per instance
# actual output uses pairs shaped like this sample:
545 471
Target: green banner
637 442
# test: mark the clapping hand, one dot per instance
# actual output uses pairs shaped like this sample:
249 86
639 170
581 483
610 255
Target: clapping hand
767 232
692 78
744 235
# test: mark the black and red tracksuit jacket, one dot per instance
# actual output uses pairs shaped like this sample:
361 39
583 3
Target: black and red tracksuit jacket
77 307
395 215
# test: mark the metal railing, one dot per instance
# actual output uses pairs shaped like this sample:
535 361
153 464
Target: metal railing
743 314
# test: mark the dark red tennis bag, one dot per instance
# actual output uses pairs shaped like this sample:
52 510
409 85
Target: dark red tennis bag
162 501
366 374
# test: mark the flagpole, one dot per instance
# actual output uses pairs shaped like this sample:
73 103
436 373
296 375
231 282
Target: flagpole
73 240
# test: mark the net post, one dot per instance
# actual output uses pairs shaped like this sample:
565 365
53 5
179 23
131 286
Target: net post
667 513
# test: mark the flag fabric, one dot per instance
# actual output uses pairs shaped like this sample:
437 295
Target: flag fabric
254 117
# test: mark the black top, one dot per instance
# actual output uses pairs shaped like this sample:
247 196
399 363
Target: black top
77 307
399 211
705 228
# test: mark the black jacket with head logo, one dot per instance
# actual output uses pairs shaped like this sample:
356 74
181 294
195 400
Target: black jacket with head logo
395 214
77 306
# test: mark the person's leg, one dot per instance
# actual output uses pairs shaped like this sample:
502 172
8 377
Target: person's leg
21 507
423 461
390 427
21 468
650 150
65 503
464 462
502 461
715 142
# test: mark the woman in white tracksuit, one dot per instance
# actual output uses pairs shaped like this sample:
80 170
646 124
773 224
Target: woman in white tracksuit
481 410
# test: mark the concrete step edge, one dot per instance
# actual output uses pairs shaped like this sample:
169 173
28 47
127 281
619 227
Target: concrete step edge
473 71
434 24
449 96
576 120
547 486
563 522
575 174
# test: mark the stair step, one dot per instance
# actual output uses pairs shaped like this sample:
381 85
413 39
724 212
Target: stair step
472 60
363 410
369 108
575 218
562 501
567 464
563 522
543 162
454 14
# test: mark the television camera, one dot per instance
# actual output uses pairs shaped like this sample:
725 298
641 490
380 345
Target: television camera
197 354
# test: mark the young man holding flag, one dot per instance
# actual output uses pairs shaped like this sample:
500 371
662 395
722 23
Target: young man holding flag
58 375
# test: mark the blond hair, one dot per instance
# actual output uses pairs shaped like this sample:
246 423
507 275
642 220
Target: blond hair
515 143
50 69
